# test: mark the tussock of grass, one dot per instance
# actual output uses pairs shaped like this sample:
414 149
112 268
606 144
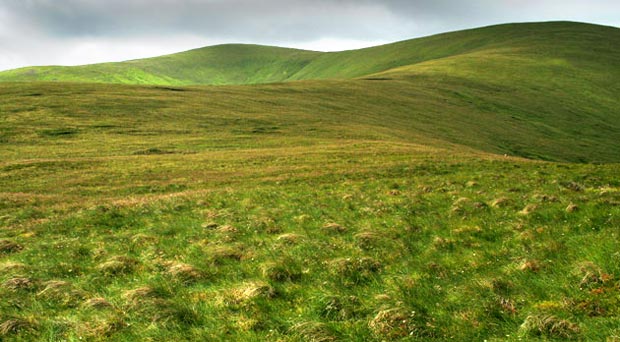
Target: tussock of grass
118 265
312 331
282 270
501 202
550 326
184 272
250 291
290 238
9 247
19 283
394 323
61 292
333 227
97 303
16 325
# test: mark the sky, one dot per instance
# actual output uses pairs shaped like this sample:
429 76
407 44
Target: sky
73 32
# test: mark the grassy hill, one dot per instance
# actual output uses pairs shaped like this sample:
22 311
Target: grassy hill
373 205
250 64
543 90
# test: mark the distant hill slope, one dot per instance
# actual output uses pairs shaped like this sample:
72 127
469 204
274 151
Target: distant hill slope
251 64
543 91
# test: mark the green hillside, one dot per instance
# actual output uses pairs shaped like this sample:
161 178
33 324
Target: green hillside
245 64
458 187
223 64
544 91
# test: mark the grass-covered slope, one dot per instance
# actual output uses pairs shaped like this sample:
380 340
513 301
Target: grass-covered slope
365 209
310 211
543 90
582 44
222 64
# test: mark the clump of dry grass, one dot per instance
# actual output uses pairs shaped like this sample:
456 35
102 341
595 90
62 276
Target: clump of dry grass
545 198
61 292
355 270
118 265
312 331
591 275
290 238
102 329
16 325
443 243
571 208
210 225
282 270
460 205
184 272
226 229
549 326
367 239
341 307
501 202
19 283
97 303
471 184
140 293
393 323
333 227
11 266
467 230
530 208
9 247
141 239
219 254
530 265
247 292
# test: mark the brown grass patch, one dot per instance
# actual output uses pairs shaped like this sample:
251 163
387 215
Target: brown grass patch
283 270
9 247
14 326
393 323
11 266
530 266
19 283
184 272
591 275
290 238
250 291
140 294
219 254
118 265
333 227
312 331
530 208
501 202
61 292
549 326
97 303
367 239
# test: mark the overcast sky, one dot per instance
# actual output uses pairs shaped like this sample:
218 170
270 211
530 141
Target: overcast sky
70 32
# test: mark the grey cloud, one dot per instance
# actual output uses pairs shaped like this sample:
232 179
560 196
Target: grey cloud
28 25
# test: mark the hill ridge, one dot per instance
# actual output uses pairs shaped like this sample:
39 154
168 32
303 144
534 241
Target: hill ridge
241 63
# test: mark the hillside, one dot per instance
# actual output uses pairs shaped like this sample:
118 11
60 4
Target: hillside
307 211
249 64
543 91
410 192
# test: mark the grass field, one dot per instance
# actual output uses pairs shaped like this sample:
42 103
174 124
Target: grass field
464 194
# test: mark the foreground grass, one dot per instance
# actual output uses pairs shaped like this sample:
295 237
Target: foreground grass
316 211
395 246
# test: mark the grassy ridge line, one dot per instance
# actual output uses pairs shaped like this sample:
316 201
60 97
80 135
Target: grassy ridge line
250 64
